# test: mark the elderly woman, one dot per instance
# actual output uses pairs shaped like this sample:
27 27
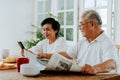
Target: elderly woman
52 43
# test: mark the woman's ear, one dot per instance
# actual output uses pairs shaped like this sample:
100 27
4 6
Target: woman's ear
56 31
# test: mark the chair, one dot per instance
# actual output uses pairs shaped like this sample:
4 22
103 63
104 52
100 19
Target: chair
118 66
118 48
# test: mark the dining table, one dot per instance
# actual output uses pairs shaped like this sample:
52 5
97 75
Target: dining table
13 74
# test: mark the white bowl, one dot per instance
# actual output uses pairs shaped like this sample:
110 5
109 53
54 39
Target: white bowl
29 70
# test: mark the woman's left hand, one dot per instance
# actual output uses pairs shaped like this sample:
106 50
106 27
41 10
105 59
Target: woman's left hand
41 55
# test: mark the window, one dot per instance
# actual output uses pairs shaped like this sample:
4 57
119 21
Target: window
42 9
68 13
117 21
65 13
104 8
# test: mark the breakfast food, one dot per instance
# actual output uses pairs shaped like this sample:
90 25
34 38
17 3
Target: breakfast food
9 59
1 64
10 65
6 65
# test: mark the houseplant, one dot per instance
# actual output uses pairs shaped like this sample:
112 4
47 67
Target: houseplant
38 37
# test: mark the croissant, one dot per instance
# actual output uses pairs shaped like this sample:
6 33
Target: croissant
9 59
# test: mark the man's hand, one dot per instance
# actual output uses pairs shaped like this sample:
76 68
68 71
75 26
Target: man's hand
88 69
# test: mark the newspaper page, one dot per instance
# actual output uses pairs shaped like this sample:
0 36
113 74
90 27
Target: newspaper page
33 60
61 63
56 63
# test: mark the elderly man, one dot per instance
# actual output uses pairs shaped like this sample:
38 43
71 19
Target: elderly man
96 53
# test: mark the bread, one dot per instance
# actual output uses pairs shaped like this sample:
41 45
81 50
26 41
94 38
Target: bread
9 65
1 64
9 59
6 65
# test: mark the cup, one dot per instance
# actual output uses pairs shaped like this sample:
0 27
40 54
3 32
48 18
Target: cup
20 61
5 53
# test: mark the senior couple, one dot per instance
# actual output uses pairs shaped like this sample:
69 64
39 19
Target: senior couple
96 53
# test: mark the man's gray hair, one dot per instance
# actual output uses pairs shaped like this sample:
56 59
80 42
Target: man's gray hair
93 15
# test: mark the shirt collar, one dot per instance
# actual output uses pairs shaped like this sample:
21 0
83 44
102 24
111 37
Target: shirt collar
100 37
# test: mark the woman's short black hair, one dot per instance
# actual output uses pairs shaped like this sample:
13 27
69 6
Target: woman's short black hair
55 24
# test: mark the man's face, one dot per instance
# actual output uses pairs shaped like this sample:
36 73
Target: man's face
86 27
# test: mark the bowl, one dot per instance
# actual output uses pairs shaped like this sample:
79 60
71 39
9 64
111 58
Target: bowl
29 70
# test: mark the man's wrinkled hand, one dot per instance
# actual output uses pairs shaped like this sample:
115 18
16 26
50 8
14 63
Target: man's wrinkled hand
88 69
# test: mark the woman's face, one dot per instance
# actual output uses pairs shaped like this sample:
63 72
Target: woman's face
48 31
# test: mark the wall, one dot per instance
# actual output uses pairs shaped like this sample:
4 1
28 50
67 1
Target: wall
16 17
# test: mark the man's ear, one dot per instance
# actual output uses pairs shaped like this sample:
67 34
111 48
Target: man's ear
94 23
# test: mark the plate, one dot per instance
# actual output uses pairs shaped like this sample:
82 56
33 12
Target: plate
4 68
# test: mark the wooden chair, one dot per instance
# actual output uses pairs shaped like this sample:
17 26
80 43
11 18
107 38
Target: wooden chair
118 48
118 66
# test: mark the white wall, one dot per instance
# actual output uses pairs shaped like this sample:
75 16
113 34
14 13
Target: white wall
16 17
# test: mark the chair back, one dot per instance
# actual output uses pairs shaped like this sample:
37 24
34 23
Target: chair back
118 48
118 65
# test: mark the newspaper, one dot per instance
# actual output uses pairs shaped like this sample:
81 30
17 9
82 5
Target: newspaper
60 63
33 60
56 63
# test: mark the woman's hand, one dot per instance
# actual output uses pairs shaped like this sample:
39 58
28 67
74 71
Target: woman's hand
88 69
44 55
41 55
22 52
